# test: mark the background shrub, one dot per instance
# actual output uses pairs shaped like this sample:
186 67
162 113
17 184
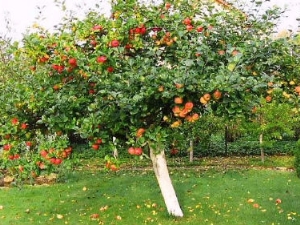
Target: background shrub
297 159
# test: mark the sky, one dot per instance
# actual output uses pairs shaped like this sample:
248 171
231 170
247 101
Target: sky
22 14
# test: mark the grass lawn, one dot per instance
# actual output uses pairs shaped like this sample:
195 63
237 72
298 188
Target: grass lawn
212 197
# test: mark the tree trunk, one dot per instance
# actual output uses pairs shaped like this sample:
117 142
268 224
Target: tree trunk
162 174
262 153
191 150
226 142
115 150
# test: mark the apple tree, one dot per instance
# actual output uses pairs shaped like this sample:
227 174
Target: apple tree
139 75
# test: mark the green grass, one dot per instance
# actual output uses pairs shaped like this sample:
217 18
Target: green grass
133 198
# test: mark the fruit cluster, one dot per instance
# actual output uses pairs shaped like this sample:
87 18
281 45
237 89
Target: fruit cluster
54 156
135 151
183 110
96 144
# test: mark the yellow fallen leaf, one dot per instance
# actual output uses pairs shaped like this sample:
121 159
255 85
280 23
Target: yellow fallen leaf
1 207
250 200
84 188
103 208
59 216
118 217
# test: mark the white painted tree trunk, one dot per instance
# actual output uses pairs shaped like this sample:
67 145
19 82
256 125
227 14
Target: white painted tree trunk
162 174
115 150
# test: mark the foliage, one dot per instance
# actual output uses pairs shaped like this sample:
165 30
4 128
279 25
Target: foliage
297 159
155 68
274 120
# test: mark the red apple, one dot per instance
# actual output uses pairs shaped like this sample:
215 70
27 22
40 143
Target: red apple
128 46
32 68
44 59
189 27
68 150
199 29
56 87
189 105
97 28
52 160
110 69
15 121
73 62
92 91
177 85
64 154
58 68
137 30
131 150
98 141
94 43
168 5
95 146
7 147
114 168
58 161
107 165
187 21
44 153
221 52
28 143
217 94
102 59
143 30
92 84
140 132
114 43
174 151
138 151
197 54
24 126
41 165
235 52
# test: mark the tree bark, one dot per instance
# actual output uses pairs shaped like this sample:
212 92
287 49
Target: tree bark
162 175
191 150
226 140
115 150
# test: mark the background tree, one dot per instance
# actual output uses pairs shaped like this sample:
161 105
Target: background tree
272 121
